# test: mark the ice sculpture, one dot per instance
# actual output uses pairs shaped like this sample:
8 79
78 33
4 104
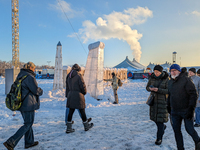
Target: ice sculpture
94 70
58 71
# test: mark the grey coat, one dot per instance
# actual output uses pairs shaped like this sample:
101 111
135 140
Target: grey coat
158 112
196 81
75 90
30 91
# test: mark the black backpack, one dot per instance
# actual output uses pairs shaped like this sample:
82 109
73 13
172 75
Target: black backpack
13 99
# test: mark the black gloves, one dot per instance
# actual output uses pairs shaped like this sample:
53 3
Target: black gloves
190 113
169 109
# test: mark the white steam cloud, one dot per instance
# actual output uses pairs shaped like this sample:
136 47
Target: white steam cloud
118 25
196 13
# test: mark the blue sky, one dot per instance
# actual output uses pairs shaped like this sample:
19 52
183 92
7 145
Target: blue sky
148 30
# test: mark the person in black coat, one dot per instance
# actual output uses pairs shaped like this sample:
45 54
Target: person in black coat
31 102
181 104
75 91
158 86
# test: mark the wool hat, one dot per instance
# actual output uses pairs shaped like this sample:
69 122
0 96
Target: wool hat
158 67
175 66
76 67
184 69
198 72
193 70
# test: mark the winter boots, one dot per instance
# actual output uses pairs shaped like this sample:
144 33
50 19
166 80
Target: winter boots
88 121
159 140
34 144
87 125
197 146
8 146
69 128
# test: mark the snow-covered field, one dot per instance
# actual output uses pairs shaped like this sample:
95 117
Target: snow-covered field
125 126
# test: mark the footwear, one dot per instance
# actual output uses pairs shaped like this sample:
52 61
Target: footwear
69 128
8 146
89 119
158 142
34 144
72 123
115 103
196 125
87 125
197 146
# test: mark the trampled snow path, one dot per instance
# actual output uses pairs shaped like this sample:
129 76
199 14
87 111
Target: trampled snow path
125 126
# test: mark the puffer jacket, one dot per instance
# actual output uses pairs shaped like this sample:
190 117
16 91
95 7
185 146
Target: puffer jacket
30 91
75 90
158 112
182 93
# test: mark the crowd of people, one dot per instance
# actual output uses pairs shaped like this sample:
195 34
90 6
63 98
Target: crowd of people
176 97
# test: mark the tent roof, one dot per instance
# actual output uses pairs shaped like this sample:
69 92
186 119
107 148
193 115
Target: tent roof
130 64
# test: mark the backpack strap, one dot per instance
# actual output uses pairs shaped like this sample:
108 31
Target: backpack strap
20 80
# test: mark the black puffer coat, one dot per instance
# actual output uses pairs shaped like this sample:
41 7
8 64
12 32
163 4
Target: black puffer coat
182 93
158 112
75 90
30 91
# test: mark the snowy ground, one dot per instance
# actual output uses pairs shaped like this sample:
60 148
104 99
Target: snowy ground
125 126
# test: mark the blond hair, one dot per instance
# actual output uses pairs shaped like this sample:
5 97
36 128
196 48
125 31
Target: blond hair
28 65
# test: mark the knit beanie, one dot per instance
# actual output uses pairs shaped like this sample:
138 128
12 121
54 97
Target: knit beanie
158 67
193 70
175 66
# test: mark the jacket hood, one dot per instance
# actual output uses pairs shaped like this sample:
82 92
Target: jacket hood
24 72
73 73
164 75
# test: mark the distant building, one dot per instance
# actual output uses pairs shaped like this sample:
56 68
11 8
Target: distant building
132 66
165 66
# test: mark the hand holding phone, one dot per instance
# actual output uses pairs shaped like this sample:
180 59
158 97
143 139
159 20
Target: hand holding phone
151 86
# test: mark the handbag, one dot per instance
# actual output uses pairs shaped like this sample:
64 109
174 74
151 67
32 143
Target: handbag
150 100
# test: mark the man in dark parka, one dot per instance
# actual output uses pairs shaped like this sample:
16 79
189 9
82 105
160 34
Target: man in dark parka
31 102
181 104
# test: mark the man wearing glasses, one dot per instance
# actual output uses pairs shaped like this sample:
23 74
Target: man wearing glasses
181 105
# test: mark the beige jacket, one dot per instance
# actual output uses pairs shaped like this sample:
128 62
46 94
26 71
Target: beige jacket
114 82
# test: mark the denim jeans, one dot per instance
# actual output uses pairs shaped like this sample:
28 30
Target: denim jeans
67 113
26 130
197 115
176 120
160 130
